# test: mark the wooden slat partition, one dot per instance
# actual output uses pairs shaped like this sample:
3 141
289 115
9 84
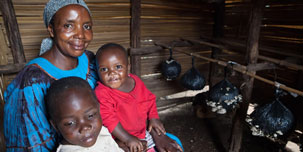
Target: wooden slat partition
112 18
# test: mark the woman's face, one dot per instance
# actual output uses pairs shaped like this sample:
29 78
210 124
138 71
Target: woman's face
72 30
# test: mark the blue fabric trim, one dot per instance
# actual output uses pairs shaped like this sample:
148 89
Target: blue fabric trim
80 71
173 137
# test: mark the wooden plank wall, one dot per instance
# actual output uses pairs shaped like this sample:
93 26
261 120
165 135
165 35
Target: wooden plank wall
166 21
161 20
281 29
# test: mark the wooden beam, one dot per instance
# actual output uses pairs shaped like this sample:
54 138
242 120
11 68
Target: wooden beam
222 46
12 30
260 66
252 53
218 32
261 48
135 35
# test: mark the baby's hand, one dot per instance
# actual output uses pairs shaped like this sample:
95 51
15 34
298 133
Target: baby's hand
157 126
135 145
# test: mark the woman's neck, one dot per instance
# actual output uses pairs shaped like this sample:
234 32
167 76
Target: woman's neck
60 60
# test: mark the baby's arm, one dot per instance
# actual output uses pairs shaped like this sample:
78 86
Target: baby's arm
133 143
154 121
164 143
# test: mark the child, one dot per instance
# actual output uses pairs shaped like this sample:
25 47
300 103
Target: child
74 113
126 104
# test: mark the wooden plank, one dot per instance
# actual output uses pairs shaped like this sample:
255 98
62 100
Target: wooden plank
4 50
3 60
252 53
145 50
11 68
135 35
11 26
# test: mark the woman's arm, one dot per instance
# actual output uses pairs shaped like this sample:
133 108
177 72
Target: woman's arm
25 118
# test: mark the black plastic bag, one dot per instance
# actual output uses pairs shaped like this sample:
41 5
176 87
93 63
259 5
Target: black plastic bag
271 120
192 79
170 69
223 97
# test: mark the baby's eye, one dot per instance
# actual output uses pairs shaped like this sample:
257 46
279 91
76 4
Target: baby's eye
90 116
119 66
103 69
70 123
87 27
68 26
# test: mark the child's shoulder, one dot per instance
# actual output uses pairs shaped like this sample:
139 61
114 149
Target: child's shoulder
102 87
135 77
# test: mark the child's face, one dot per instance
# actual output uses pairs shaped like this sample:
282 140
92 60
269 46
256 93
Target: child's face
112 67
78 118
72 31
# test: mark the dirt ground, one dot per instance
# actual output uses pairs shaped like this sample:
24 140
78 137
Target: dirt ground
208 134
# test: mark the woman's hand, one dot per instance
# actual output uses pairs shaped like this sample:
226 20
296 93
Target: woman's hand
157 126
122 145
164 143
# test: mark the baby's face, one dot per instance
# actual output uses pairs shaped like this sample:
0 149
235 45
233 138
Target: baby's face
78 118
112 67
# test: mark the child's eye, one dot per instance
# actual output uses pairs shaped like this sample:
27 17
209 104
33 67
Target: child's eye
91 115
70 123
103 69
87 27
119 66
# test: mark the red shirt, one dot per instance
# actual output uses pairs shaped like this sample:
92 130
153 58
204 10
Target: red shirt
131 109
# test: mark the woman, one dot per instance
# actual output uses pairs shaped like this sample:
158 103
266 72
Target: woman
26 127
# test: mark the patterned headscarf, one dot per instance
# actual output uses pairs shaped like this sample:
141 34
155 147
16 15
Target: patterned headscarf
49 11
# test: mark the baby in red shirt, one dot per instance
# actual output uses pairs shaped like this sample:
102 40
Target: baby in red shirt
126 104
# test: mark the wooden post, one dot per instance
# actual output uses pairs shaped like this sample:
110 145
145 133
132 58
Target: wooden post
218 32
251 58
135 35
12 31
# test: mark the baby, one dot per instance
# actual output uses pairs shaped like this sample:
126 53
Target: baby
74 112
126 104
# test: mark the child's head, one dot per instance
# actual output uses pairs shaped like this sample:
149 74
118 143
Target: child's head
112 65
74 111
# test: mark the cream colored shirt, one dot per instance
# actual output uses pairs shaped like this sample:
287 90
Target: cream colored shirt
104 143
